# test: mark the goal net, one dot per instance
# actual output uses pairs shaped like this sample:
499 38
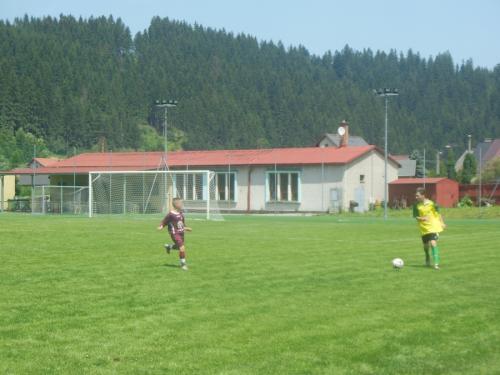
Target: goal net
151 192
51 199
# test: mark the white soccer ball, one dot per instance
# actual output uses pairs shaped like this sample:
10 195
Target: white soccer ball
398 263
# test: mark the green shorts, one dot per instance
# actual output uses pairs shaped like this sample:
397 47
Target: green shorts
430 237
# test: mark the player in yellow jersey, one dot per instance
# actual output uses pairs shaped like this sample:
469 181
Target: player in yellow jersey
430 223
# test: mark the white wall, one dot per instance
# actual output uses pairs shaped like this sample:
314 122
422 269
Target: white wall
316 183
242 188
372 166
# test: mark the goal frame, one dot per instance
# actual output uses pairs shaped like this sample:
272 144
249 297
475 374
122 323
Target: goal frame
205 172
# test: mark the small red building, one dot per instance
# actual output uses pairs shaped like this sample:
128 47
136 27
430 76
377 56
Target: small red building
441 190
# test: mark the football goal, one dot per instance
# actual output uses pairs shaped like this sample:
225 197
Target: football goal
151 192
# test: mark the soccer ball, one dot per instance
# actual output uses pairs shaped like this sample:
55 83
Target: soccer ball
398 263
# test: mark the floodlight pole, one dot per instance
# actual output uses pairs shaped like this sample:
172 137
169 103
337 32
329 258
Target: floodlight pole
386 195
385 92
438 162
480 178
165 105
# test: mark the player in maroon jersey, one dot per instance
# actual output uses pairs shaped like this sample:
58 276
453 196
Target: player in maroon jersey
175 223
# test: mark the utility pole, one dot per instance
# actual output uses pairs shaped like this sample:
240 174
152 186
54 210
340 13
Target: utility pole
33 179
424 168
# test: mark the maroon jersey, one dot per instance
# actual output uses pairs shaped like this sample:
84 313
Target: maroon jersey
175 222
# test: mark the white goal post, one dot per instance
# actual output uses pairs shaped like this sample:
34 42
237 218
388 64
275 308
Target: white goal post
151 192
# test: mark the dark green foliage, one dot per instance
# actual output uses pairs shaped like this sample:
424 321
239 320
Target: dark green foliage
491 171
73 82
19 147
469 169
450 165
442 168
465 202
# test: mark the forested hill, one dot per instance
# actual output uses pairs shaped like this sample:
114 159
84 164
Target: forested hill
69 83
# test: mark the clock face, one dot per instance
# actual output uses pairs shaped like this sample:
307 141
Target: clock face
341 130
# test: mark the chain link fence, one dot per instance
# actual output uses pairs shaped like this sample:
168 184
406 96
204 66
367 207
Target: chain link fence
73 200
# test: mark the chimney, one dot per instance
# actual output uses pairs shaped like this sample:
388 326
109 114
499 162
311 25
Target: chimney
345 138
469 145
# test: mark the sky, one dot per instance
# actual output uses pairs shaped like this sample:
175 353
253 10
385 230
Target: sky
467 29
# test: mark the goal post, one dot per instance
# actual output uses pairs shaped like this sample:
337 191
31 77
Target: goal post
151 192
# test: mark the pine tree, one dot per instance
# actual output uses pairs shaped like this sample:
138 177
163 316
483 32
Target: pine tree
71 82
417 156
469 169
450 165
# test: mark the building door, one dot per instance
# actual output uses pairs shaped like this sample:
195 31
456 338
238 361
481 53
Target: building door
335 200
359 197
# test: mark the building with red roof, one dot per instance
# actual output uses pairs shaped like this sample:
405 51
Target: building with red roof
306 179
441 190
42 162
37 179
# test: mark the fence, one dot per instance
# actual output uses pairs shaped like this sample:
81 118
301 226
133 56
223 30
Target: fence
72 200
488 191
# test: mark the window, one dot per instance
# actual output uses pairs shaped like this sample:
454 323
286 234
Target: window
225 186
188 186
361 178
283 186
179 185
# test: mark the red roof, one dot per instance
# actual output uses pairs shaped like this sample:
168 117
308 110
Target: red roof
116 161
409 181
46 162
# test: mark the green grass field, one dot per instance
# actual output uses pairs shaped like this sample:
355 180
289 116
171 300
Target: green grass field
264 295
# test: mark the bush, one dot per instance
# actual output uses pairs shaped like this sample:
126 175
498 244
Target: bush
465 202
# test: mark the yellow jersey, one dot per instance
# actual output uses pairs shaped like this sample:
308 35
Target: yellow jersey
430 210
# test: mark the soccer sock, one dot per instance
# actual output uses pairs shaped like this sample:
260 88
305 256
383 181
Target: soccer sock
182 257
435 254
427 256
